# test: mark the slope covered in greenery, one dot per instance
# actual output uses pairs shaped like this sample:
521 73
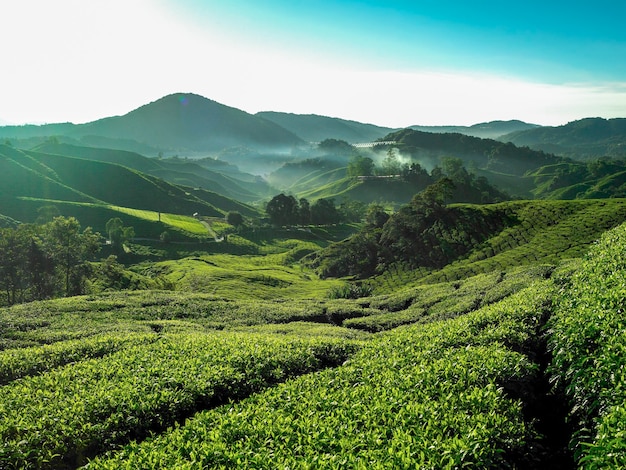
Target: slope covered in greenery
437 242
176 171
585 139
483 153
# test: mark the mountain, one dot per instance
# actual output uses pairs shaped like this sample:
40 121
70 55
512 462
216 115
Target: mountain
315 128
191 123
584 139
177 124
486 130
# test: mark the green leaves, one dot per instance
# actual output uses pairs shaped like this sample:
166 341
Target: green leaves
67 414
428 396
588 340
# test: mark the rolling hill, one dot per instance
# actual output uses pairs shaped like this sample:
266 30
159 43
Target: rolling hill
485 130
95 191
315 128
584 139
206 174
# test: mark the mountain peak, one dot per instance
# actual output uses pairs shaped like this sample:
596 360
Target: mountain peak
186 122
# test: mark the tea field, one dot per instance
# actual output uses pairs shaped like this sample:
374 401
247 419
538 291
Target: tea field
253 362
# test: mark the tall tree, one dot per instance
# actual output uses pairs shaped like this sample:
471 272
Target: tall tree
283 210
323 212
71 248
360 166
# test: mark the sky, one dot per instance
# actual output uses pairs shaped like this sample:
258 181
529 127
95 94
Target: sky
390 63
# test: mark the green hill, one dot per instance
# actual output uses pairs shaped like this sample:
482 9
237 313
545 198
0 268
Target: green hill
585 139
189 123
484 130
314 128
486 154
436 243
222 179
94 191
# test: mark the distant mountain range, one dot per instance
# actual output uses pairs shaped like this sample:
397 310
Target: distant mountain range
176 124
314 128
485 130
187 124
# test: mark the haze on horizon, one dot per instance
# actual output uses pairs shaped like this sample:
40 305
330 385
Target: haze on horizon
394 64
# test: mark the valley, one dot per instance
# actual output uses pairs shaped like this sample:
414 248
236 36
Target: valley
193 286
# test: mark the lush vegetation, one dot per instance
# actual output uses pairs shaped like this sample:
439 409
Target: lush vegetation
43 261
442 400
65 415
443 333
585 139
434 242
588 341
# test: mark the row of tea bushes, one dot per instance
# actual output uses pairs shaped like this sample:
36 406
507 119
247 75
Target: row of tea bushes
438 395
588 341
62 417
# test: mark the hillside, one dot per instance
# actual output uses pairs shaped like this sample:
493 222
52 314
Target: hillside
479 365
184 123
484 130
95 191
489 154
181 123
206 174
315 128
584 139
433 242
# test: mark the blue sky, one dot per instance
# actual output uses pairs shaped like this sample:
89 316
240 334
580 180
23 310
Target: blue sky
389 63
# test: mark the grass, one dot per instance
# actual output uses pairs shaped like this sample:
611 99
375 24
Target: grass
182 222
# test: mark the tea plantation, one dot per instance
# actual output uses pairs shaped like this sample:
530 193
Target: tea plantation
499 360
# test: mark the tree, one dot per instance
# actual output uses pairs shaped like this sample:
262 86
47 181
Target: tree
336 147
117 233
360 166
13 248
376 216
70 248
391 165
282 210
304 212
115 229
324 212
234 218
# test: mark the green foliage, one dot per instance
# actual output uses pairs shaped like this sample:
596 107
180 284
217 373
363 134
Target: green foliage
66 415
234 218
350 291
464 240
424 233
484 153
282 210
360 166
427 397
588 342
42 261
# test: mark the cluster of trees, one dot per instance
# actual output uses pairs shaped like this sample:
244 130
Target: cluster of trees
41 261
423 233
287 210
